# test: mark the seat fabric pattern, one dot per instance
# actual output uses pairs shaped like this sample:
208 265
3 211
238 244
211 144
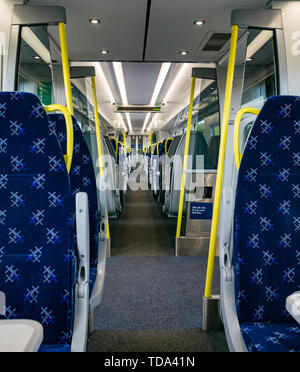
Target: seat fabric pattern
267 224
261 337
37 265
82 178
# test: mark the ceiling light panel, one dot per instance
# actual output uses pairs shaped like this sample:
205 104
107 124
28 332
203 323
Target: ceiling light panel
165 67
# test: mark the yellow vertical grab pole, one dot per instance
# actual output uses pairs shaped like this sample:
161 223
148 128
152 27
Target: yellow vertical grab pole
66 67
221 162
185 161
150 139
124 139
107 228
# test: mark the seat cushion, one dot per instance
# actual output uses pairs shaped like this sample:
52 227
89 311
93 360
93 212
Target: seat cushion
261 337
55 348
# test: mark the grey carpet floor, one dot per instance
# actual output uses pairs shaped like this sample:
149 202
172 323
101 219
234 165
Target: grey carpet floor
190 341
142 230
147 293
152 301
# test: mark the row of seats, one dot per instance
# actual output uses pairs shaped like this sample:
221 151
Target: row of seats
38 245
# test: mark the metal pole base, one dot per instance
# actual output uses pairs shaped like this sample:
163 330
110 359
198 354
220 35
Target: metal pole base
211 314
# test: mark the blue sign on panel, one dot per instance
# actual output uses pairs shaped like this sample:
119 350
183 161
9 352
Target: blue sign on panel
201 211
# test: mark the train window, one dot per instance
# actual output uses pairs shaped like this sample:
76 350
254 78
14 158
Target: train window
83 110
208 121
260 81
35 73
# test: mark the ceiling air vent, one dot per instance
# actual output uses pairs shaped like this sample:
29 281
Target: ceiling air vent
216 42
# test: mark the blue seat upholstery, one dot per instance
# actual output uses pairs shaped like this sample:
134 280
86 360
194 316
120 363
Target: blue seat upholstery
267 228
162 148
37 265
82 178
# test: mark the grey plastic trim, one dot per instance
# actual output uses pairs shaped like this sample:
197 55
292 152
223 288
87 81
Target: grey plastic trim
80 72
81 318
282 68
13 55
258 18
204 73
2 303
28 15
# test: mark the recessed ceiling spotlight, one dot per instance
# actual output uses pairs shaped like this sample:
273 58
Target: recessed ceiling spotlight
199 22
104 51
248 59
37 57
94 21
184 52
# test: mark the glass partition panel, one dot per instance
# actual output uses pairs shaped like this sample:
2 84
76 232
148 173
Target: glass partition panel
35 73
208 121
260 79
83 110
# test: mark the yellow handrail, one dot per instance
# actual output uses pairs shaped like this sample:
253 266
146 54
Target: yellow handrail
158 146
150 139
69 130
107 227
166 145
236 132
185 161
66 67
221 162
152 148
116 142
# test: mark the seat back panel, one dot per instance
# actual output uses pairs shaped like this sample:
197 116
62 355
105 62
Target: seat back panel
82 177
36 244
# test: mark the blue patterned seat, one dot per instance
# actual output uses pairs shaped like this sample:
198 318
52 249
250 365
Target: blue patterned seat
267 228
82 178
37 266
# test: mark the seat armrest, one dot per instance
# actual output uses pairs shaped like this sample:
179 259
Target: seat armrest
83 240
20 336
2 303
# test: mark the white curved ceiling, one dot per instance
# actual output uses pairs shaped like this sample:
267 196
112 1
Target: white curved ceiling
143 31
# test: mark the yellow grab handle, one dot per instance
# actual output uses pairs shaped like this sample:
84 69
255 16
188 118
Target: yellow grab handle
124 138
150 138
166 144
107 228
236 132
69 130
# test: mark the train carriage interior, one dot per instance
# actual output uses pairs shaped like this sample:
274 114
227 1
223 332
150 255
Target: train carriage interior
149 176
